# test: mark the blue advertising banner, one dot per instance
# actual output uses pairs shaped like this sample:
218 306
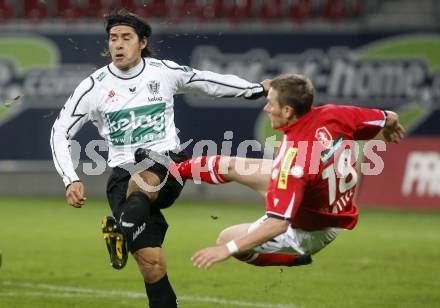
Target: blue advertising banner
397 71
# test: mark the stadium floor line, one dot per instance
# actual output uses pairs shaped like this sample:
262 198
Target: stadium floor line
83 292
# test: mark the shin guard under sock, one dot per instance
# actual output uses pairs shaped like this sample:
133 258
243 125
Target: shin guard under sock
204 168
161 294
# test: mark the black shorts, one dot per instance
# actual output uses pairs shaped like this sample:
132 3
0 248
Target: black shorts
117 185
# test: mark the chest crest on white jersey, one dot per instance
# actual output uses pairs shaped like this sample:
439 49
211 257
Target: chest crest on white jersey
154 87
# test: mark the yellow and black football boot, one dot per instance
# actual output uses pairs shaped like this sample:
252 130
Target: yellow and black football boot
115 241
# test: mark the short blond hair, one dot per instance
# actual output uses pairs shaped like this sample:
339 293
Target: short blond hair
294 90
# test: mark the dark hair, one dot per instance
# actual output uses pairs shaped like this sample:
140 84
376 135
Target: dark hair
124 17
295 91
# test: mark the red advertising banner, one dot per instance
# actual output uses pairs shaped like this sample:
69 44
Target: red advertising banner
410 178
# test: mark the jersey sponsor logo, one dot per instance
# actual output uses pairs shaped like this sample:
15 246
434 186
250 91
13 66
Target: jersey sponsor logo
153 87
111 93
137 125
155 64
324 137
328 154
101 76
155 99
285 167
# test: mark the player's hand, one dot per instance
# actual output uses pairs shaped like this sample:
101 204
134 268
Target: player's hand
393 130
207 257
75 194
266 85
394 134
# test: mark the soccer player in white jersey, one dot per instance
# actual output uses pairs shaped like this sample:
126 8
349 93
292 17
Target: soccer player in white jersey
131 103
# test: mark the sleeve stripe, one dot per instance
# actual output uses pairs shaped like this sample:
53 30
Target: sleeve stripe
73 124
222 84
76 105
55 155
216 82
73 115
287 214
289 210
172 68
211 170
276 215
380 123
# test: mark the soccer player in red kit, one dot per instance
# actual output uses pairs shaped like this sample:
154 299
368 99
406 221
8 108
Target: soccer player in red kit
309 199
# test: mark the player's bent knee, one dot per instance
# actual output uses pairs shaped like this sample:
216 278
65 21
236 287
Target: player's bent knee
136 215
134 186
224 166
230 163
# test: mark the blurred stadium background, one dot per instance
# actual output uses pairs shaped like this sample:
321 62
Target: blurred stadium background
383 54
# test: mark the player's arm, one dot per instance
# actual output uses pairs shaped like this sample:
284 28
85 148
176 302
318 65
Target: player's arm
191 80
269 229
368 123
71 118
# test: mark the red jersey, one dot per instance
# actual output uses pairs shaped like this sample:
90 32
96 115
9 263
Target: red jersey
314 175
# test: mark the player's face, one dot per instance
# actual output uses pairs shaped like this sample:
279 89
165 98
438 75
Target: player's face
125 47
277 114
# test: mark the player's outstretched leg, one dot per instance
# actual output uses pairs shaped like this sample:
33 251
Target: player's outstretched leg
115 241
251 172
204 168
217 169
145 227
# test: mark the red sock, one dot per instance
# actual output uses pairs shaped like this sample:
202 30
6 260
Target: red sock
277 259
204 168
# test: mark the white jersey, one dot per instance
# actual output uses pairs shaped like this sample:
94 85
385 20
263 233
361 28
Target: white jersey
135 109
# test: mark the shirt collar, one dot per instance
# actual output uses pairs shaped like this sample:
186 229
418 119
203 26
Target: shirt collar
134 71
303 119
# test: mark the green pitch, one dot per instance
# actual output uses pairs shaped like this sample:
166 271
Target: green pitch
53 256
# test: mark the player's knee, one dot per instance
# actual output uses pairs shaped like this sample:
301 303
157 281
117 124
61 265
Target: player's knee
230 163
236 167
140 184
151 264
226 166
